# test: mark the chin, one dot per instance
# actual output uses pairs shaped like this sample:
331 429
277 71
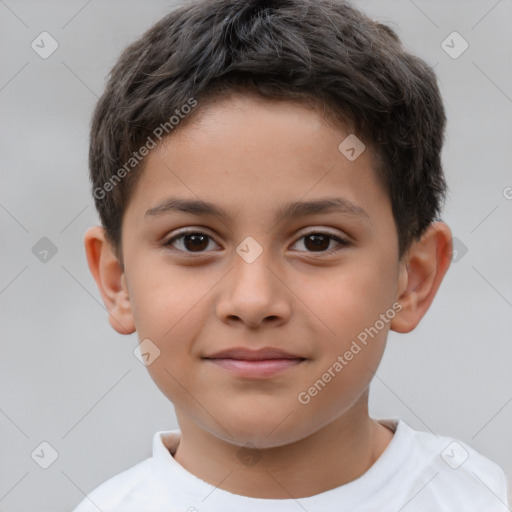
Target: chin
263 431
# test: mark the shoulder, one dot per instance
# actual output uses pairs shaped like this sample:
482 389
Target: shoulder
134 489
454 472
454 454
120 492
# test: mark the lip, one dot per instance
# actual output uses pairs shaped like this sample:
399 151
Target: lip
247 354
262 363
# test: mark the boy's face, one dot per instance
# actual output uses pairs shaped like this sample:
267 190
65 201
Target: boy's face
311 297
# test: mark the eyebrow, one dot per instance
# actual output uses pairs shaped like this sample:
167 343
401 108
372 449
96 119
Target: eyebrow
288 210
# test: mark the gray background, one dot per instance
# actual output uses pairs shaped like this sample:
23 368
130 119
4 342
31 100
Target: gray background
68 379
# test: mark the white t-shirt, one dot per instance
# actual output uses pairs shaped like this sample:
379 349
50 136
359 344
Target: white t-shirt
417 472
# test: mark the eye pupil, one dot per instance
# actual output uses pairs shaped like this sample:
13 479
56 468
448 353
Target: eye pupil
318 241
198 241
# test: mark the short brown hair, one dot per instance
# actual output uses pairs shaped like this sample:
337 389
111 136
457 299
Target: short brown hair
322 51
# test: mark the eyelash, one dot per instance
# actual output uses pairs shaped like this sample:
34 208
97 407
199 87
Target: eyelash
342 242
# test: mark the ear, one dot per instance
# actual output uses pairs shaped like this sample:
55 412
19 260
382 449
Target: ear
420 274
110 279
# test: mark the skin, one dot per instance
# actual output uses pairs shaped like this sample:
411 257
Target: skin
250 156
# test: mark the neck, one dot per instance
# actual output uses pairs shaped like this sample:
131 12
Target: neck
332 456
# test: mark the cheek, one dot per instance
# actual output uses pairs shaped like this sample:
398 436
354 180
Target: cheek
352 299
351 305
163 299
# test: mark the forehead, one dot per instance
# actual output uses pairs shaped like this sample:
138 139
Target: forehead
246 153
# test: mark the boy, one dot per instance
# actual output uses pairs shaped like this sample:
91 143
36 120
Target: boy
257 130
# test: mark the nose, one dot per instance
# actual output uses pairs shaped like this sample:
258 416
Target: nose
254 293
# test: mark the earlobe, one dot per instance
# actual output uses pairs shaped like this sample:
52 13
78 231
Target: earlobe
110 279
420 275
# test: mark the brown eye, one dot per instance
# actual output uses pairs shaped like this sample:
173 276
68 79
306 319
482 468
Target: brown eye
198 242
317 242
320 242
191 241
